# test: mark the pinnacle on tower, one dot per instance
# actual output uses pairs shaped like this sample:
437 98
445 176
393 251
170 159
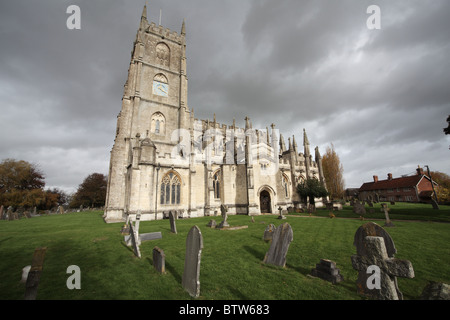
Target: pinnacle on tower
305 138
144 12
183 28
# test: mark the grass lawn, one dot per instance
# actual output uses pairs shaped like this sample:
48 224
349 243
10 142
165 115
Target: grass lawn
231 265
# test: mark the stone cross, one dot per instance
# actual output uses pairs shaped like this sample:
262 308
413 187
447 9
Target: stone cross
173 225
375 249
159 260
191 274
34 274
224 223
388 222
281 215
281 239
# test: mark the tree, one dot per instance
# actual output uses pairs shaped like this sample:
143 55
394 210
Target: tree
443 189
21 183
311 188
92 192
333 172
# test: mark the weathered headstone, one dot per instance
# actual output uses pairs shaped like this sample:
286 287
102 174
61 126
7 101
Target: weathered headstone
327 270
388 222
27 214
34 274
60 210
436 291
375 248
359 208
191 274
268 233
134 240
281 239
159 260
224 223
212 223
173 225
10 213
150 236
1 212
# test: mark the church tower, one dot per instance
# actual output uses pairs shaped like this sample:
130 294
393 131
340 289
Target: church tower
154 109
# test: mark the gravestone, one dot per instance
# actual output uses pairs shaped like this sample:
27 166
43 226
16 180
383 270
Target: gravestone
281 239
10 213
268 233
434 204
25 272
224 223
191 274
34 274
212 223
27 214
436 291
2 213
173 225
327 270
385 209
359 208
60 209
281 217
375 247
159 260
126 227
134 240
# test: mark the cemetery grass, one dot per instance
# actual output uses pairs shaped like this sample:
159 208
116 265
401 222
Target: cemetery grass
398 211
231 265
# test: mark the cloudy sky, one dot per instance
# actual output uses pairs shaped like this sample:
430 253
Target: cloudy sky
381 97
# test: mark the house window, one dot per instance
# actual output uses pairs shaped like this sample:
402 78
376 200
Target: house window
170 189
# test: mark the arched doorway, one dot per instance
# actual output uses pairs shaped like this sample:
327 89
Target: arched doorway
265 202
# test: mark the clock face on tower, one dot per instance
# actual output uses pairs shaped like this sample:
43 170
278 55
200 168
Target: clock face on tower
160 89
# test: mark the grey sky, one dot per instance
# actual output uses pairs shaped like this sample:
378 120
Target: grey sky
380 96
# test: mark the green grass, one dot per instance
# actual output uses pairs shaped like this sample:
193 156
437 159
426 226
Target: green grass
398 211
231 266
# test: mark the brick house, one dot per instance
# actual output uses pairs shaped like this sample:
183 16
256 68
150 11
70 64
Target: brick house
416 188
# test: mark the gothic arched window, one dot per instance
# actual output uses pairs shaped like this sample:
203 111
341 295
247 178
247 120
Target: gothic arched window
216 184
285 184
158 122
163 54
171 188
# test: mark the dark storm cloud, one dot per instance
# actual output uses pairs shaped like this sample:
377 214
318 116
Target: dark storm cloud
380 96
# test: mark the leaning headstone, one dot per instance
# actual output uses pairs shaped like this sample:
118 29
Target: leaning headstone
436 291
281 240
173 225
388 222
34 274
224 223
373 252
268 233
327 270
134 240
191 274
159 260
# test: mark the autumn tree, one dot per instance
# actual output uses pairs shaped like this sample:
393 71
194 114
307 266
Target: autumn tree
21 184
443 189
333 172
92 192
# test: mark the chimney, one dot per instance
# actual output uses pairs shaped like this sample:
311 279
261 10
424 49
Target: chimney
419 171
375 178
389 176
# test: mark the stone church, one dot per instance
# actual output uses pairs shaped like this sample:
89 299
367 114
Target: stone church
164 159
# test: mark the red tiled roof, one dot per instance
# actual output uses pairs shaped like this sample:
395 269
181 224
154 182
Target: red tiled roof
403 182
